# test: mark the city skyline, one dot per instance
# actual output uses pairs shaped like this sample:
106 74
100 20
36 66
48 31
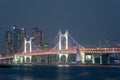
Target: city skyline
15 39
87 21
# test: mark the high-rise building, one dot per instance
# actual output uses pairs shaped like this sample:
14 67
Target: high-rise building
8 42
23 35
16 40
38 37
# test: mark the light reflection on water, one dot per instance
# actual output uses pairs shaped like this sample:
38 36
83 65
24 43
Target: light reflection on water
60 72
24 78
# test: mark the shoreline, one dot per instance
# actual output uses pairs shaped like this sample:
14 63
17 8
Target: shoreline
5 66
69 65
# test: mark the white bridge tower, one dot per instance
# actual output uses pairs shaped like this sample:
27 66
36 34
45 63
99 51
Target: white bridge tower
61 36
28 42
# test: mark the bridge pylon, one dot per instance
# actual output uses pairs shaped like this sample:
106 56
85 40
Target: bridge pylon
29 42
61 36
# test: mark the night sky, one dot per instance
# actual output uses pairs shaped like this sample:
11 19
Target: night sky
88 21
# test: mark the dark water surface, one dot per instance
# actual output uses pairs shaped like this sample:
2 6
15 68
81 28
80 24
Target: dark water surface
39 72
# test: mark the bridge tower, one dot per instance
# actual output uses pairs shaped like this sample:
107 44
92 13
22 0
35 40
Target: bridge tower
28 47
25 58
61 36
60 39
29 42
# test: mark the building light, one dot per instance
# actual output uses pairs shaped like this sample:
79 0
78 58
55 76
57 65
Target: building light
13 27
23 29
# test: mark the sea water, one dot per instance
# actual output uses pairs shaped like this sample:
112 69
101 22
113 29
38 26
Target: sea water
60 72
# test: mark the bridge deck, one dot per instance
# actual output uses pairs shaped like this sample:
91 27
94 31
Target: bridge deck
70 51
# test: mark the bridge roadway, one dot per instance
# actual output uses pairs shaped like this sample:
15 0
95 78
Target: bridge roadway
100 50
85 54
70 51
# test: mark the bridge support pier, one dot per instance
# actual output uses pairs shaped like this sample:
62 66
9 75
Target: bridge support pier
38 59
93 60
28 59
59 58
46 58
78 57
89 58
9 61
66 55
22 59
100 59
108 59
82 57
15 59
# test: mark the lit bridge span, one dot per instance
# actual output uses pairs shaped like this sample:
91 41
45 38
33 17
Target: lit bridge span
83 52
100 50
73 51
66 51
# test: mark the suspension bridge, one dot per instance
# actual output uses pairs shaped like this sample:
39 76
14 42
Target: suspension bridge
65 51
